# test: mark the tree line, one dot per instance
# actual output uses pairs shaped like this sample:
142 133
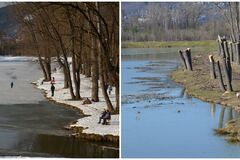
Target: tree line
86 32
173 21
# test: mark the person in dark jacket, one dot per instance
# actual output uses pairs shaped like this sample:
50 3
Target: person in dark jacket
102 115
11 84
52 89
106 117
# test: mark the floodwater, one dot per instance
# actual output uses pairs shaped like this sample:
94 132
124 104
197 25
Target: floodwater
159 118
33 127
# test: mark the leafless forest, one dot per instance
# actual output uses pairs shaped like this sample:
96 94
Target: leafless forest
170 21
88 33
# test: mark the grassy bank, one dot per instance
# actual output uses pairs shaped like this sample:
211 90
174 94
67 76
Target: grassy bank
166 44
199 84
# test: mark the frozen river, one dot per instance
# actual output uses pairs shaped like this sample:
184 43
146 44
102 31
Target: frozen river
32 126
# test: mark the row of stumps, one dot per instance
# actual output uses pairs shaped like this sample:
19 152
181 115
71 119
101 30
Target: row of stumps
226 57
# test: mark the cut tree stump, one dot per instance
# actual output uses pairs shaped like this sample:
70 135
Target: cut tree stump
212 67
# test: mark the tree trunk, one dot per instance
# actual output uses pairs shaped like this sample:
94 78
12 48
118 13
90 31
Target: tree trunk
117 97
66 84
212 67
188 59
220 46
76 79
100 63
95 73
48 68
231 52
228 61
238 52
42 66
183 60
64 72
223 54
227 75
221 84
103 84
68 72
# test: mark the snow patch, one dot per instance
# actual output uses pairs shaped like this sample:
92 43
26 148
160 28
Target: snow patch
90 123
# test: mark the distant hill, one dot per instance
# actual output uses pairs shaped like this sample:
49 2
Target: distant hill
132 8
8 24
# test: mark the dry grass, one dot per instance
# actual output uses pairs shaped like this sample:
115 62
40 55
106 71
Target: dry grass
199 84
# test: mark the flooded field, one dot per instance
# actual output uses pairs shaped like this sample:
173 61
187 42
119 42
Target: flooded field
159 118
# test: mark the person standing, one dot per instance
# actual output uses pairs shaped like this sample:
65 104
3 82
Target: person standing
11 84
52 89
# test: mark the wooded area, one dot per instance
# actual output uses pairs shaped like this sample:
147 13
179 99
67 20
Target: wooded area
228 50
82 36
174 21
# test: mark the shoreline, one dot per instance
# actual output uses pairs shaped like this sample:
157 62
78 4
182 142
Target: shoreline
168 44
86 127
201 88
199 85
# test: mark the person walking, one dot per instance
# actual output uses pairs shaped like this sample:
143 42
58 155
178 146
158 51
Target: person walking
52 89
11 84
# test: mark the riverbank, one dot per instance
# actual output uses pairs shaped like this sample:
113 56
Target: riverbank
88 126
210 44
199 84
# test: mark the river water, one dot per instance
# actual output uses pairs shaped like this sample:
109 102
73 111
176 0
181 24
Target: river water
32 126
159 118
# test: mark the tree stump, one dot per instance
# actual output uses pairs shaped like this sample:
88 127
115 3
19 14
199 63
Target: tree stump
188 59
212 67
182 59
238 52
227 75
221 84
231 52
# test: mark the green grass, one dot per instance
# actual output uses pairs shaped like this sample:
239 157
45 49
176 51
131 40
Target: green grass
165 44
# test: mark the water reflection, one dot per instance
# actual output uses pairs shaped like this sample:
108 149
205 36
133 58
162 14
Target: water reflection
38 134
230 114
182 93
226 114
72 147
212 109
221 118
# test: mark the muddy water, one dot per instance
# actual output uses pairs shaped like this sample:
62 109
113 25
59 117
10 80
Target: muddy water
32 126
159 118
